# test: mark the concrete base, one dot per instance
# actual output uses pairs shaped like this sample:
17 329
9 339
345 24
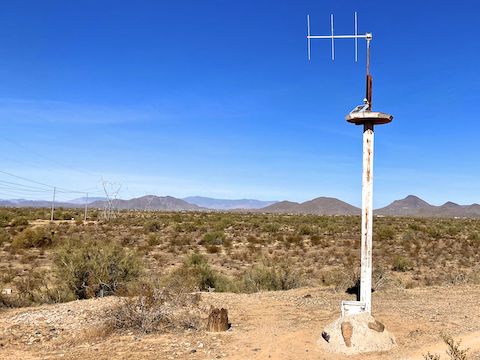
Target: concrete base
356 334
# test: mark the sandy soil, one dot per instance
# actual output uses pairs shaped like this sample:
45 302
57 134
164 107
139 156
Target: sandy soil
270 325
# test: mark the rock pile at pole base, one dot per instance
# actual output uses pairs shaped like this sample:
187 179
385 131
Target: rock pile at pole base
355 334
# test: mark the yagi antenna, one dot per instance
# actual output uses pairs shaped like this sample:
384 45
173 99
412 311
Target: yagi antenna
367 36
332 36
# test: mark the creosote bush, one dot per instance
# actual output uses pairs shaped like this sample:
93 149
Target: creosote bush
91 268
214 238
270 277
196 274
39 237
401 264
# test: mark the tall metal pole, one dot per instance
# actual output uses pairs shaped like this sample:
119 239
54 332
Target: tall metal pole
86 206
361 115
53 203
367 218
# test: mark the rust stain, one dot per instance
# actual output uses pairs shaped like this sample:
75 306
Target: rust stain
366 230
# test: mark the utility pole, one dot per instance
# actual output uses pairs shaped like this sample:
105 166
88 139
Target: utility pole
53 203
364 116
86 207
356 315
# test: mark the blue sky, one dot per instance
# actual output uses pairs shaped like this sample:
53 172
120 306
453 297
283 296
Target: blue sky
217 98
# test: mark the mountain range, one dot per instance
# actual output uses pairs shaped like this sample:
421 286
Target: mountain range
414 206
409 206
227 204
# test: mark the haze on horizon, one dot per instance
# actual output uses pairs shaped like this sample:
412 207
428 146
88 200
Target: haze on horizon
124 92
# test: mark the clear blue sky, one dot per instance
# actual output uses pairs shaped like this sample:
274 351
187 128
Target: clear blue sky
217 98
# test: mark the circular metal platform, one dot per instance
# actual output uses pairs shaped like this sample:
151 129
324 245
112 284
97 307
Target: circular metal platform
373 117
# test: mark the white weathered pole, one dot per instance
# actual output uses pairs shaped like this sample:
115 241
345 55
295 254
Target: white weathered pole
367 218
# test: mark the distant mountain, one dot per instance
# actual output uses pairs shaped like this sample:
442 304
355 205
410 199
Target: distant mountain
226 204
150 202
409 206
318 206
414 206
88 200
287 207
33 203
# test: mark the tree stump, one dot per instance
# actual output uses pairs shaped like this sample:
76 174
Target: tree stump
218 320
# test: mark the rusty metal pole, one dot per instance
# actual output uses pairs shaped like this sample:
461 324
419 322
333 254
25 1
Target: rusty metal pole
367 218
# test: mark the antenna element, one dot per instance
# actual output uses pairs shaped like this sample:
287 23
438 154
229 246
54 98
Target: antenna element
367 36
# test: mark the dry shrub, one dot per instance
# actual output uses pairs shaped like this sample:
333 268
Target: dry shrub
453 350
157 310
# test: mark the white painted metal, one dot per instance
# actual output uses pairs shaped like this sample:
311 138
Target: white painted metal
356 39
367 218
308 36
332 36
333 44
352 307
338 36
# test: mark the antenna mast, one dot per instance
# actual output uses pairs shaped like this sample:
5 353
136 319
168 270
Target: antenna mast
367 36
361 115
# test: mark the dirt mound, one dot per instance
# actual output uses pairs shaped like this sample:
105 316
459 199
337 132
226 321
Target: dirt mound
356 334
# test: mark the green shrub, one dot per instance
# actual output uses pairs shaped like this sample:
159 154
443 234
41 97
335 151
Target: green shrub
402 264
91 268
39 237
153 226
196 274
20 221
306 230
383 233
153 239
266 277
214 238
474 236
271 227
4 236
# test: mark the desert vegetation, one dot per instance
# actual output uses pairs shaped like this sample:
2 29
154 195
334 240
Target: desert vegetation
45 261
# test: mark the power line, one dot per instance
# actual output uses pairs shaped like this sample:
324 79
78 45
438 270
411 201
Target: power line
64 190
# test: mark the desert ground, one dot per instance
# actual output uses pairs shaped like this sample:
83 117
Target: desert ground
281 278
265 325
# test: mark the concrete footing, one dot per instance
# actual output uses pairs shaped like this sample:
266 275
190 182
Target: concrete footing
356 334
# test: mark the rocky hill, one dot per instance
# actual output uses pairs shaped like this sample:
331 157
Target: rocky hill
414 206
318 206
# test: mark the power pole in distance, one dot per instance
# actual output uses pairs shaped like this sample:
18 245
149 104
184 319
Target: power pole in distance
53 203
